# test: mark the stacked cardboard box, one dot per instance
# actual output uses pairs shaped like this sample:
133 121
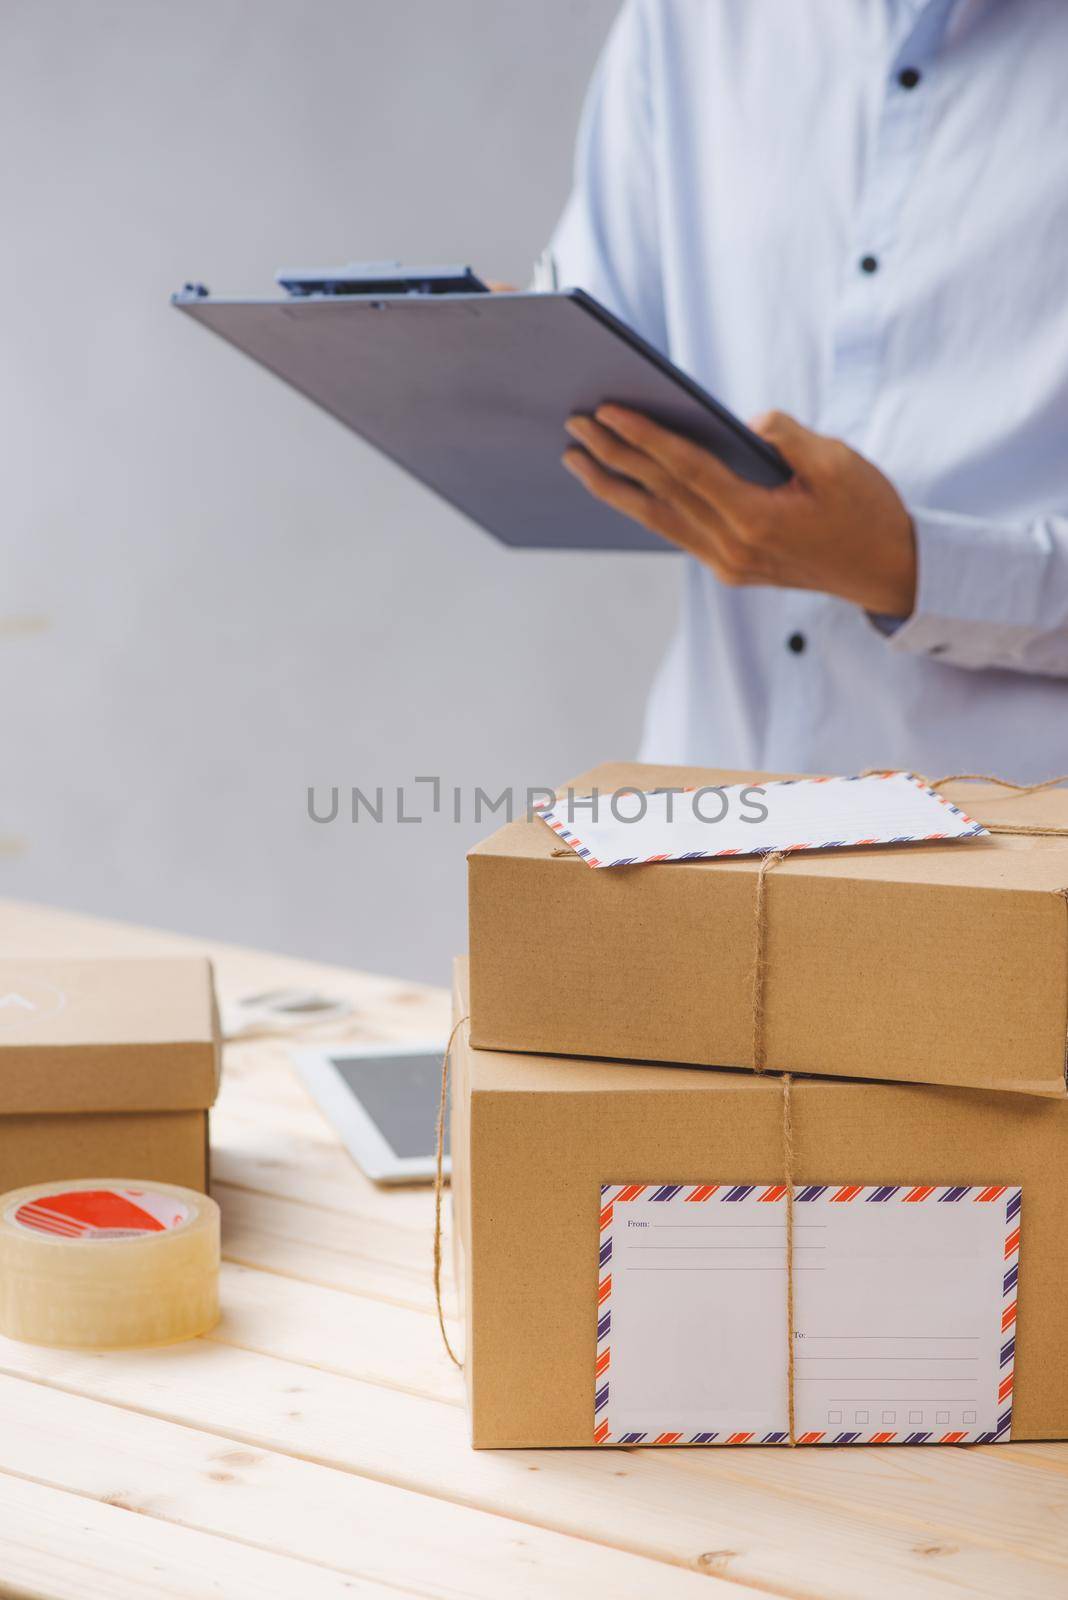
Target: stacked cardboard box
940 970
107 1068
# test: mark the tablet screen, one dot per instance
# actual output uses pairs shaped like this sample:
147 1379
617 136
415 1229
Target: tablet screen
400 1094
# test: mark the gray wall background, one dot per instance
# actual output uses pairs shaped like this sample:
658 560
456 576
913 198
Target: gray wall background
213 596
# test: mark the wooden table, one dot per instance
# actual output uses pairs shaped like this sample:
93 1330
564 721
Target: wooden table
315 1444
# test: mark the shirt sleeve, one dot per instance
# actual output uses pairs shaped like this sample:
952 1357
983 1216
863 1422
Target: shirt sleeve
988 594
606 241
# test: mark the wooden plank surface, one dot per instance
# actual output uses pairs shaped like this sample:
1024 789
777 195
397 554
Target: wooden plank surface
315 1443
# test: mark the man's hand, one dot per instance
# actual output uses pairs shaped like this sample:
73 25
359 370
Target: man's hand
838 526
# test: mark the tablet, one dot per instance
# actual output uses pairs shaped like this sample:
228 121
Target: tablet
382 1099
468 391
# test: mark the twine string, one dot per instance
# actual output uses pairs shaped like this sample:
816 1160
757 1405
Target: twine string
1041 829
1002 783
760 961
770 861
788 1179
439 1187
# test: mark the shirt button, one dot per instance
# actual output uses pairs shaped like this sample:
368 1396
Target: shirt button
908 77
796 642
869 264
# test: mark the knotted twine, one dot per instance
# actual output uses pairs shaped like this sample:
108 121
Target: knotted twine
769 862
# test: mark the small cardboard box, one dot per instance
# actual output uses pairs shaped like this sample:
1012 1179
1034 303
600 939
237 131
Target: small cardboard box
925 963
107 1069
534 1138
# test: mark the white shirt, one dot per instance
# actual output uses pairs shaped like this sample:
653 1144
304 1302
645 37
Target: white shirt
737 163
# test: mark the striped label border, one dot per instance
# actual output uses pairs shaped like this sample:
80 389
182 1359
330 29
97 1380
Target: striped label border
613 1195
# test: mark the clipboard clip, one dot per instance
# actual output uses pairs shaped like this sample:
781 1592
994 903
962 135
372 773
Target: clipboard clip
380 278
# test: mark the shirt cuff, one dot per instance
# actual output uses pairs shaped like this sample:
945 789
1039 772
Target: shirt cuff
981 589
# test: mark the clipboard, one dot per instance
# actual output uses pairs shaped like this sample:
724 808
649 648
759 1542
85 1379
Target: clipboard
468 391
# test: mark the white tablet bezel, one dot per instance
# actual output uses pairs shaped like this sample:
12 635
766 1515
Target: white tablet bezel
346 1114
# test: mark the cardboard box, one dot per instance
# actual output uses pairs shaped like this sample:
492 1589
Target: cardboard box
924 963
107 1069
534 1134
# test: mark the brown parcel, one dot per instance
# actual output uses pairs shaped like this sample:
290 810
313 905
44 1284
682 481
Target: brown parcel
107 1068
926 963
532 1132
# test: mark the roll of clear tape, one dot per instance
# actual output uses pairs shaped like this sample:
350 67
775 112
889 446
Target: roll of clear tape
108 1263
